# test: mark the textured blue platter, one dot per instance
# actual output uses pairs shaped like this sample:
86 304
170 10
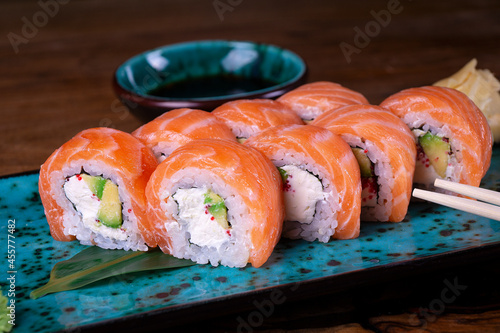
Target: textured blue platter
429 231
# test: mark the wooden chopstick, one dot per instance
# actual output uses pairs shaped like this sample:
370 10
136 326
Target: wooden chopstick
470 191
464 204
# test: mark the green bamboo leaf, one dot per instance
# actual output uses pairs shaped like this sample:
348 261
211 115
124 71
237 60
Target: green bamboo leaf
94 264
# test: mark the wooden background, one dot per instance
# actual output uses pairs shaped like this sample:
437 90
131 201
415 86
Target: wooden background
58 83
57 58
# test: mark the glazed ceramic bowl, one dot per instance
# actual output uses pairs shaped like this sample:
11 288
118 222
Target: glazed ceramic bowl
204 75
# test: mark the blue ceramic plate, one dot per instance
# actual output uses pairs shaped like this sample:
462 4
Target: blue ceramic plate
429 231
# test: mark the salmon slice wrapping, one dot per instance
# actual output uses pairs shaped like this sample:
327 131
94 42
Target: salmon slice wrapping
248 117
177 127
216 201
93 189
454 140
312 99
321 177
385 149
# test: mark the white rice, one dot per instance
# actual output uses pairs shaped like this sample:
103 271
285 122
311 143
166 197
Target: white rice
384 175
242 130
163 149
325 218
235 250
73 224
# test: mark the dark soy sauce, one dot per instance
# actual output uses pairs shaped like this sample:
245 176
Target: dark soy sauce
210 86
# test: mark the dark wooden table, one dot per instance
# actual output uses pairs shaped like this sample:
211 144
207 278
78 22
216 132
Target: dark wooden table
57 59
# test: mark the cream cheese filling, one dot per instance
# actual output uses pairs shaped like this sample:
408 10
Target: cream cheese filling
302 191
202 226
87 205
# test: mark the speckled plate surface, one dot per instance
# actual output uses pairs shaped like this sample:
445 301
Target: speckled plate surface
428 231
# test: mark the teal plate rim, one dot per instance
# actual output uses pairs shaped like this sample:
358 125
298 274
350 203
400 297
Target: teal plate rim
431 237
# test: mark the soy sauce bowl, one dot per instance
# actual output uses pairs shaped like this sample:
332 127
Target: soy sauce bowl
205 74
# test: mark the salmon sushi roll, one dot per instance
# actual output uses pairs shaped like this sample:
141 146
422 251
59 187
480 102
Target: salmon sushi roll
93 189
177 127
312 99
321 181
385 149
216 201
247 117
454 141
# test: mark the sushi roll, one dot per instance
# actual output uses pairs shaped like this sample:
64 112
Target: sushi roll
93 189
385 149
321 181
248 117
312 99
454 141
216 201
177 127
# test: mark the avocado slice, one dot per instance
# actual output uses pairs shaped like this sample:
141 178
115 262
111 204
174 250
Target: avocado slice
284 174
95 184
365 165
437 149
217 208
110 210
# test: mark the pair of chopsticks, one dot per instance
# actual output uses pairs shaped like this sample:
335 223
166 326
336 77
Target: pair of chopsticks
490 208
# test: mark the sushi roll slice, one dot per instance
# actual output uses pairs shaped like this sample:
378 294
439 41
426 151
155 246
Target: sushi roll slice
312 99
248 117
216 201
454 141
93 189
385 149
321 181
177 127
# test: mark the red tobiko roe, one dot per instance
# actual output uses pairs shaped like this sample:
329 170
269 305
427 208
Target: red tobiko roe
370 184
